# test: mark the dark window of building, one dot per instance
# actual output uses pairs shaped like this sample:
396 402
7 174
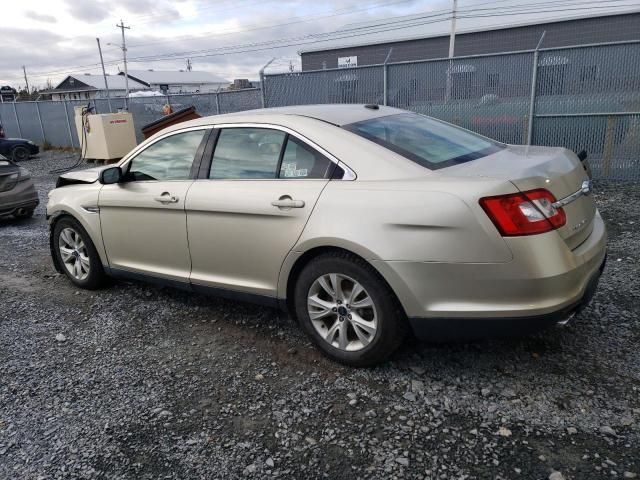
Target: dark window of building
588 75
462 84
551 76
493 82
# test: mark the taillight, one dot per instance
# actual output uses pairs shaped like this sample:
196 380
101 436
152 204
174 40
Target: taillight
526 213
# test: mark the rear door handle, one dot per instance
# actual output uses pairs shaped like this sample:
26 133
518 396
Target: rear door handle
166 197
287 202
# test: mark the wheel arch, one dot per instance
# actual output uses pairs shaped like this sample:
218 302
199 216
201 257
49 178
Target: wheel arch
58 215
293 267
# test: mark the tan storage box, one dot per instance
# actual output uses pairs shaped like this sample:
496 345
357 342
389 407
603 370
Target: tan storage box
111 135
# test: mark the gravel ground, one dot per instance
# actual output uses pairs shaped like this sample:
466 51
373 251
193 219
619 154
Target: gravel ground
141 382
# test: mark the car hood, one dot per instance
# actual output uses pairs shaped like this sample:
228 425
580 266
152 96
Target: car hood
90 175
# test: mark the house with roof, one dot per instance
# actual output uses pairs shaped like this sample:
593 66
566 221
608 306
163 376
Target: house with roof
181 81
89 87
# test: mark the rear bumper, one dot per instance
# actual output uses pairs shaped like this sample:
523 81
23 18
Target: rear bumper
22 196
472 328
543 284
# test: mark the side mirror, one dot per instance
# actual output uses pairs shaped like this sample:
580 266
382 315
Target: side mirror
111 175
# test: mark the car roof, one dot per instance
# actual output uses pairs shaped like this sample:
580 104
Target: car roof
336 114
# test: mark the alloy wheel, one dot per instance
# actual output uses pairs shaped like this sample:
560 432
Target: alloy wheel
342 312
74 254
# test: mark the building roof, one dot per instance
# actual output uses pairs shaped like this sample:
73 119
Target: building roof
159 77
418 26
88 82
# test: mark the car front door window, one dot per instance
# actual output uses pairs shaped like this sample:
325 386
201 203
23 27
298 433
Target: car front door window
168 159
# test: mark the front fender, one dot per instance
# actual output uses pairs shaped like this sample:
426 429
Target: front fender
74 201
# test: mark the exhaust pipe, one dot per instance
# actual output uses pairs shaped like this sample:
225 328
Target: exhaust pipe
20 211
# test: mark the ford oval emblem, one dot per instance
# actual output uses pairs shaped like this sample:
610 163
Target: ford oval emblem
586 187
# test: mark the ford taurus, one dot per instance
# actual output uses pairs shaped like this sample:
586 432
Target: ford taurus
365 222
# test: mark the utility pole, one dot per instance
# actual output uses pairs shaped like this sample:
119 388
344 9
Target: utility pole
104 75
452 49
452 37
124 56
26 80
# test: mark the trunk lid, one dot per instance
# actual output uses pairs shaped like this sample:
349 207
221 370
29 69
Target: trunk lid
557 170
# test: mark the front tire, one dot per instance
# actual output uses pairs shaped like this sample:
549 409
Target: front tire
348 310
77 255
18 154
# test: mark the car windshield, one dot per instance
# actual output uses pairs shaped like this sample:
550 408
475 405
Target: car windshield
427 141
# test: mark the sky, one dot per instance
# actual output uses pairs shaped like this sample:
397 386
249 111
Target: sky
231 38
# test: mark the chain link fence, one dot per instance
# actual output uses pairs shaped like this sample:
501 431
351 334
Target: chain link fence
54 121
585 97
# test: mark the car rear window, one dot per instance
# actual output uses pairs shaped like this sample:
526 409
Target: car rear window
426 141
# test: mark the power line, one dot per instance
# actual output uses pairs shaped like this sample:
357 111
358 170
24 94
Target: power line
415 21
346 33
295 20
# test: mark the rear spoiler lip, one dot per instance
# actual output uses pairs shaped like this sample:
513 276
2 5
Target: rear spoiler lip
582 155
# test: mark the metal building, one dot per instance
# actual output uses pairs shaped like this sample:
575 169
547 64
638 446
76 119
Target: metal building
371 42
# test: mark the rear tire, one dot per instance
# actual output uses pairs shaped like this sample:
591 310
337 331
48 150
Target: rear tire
348 310
20 153
76 254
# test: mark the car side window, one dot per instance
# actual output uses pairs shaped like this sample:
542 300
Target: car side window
302 161
247 153
168 159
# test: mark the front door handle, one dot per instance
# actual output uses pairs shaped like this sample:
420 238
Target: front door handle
286 202
166 197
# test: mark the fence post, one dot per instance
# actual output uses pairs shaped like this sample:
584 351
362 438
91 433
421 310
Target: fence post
66 114
607 150
15 113
534 85
262 85
262 90
44 138
218 103
385 78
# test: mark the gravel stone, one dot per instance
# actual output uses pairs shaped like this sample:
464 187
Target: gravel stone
92 407
607 430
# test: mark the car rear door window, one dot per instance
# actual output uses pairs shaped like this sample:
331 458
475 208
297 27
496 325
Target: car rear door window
302 161
247 153
168 159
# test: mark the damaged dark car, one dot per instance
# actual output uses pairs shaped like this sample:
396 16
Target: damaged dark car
18 196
